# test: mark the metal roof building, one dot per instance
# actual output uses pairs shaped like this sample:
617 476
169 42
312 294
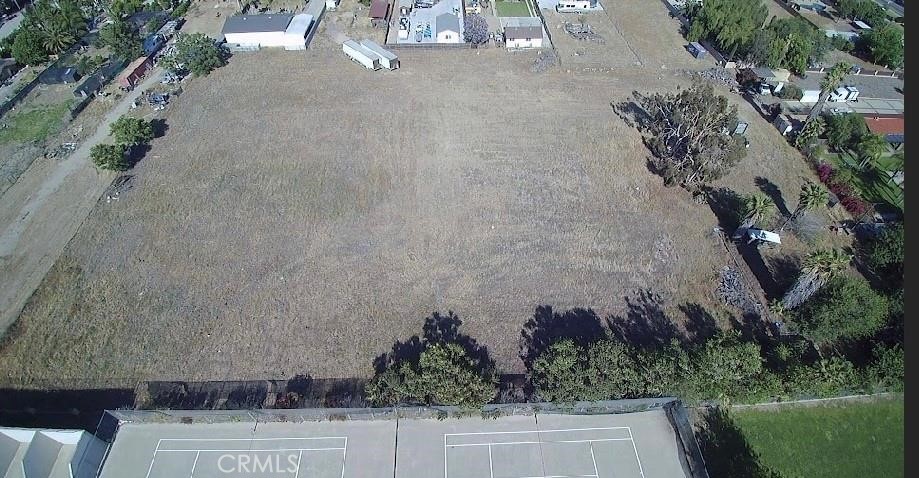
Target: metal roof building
251 32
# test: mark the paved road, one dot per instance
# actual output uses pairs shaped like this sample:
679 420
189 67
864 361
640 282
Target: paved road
10 25
890 5
43 210
869 86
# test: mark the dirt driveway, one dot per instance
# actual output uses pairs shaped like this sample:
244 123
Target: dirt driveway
40 213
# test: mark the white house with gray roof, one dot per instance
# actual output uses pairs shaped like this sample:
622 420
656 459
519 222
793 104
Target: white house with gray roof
448 28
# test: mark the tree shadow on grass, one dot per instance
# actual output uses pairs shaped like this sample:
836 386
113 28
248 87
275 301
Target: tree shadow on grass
159 127
700 324
437 328
548 327
727 206
135 153
770 189
754 260
725 449
645 325
784 271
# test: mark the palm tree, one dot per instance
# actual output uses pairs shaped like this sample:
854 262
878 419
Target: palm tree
817 268
870 148
757 207
57 39
830 82
811 196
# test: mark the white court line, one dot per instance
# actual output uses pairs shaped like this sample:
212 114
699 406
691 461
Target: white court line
491 466
536 442
299 459
344 455
153 458
540 442
249 450
594 459
194 465
640 470
253 439
538 431
198 451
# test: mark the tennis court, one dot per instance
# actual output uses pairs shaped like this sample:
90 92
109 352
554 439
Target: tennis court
627 445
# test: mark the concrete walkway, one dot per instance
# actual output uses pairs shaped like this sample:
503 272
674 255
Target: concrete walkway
43 210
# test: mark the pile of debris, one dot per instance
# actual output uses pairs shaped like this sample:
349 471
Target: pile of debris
732 291
544 60
718 76
119 185
582 31
157 101
61 151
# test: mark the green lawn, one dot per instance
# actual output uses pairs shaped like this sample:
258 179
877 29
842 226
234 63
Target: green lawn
32 125
872 185
853 440
512 9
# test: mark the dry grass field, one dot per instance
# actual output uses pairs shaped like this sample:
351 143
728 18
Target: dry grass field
301 214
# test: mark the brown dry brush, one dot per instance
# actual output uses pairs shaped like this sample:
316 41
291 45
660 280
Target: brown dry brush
690 134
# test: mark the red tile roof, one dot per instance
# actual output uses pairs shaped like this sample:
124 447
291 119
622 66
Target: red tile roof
885 124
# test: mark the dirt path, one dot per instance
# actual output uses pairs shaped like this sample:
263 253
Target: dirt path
42 211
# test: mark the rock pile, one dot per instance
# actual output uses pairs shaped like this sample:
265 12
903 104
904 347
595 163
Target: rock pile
544 60
718 76
732 291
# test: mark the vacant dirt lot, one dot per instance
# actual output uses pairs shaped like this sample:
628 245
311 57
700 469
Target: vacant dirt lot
301 214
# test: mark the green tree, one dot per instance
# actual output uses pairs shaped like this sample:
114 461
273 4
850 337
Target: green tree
809 133
29 48
731 24
811 196
826 378
887 369
818 268
448 376
197 53
885 252
847 308
884 45
757 207
444 375
612 372
866 10
687 136
119 9
725 367
664 370
844 131
129 131
57 38
791 43
109 157
871 147
121 38
831 80
560 373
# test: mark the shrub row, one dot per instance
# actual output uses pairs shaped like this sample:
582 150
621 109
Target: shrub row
829 176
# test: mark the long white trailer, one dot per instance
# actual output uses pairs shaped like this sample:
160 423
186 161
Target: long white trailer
360 54
388 59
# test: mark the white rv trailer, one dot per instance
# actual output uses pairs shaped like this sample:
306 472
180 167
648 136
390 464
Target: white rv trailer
362 55
388 59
